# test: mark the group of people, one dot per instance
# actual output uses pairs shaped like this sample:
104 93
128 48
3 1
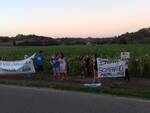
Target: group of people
58 63
60 67
88 66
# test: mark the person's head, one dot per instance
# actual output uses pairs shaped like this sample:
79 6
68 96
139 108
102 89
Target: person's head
56 55
87 56
25 56
40 52
82 57
52 57
62 55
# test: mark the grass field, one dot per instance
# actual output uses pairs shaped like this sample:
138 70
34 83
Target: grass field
139 62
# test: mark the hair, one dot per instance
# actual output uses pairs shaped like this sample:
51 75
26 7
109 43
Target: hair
62 55
81 58
40 51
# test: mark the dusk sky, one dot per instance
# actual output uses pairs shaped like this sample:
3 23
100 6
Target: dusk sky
73 18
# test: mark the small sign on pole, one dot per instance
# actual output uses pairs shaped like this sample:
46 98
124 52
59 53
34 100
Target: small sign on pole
125 55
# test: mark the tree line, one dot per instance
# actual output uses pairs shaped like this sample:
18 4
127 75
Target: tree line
140 37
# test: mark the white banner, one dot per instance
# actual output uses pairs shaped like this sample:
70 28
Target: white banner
107 68
17 67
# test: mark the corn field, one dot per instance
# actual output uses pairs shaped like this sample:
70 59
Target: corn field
139 63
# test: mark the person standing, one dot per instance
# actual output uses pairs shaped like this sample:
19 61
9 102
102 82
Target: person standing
55 66
126 69
63 67
82 66
39 62
95 68
87 65
28 76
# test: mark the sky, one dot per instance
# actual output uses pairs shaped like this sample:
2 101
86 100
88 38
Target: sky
73 18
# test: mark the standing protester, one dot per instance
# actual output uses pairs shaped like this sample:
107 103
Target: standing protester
91 66
95 68
126 69
63 67
87 66
27 75
55 66
39 62
82 64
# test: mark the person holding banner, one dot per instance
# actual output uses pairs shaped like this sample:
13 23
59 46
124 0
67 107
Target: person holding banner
125 57
126 69
39 62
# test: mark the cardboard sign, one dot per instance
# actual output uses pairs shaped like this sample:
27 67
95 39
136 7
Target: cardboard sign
125 55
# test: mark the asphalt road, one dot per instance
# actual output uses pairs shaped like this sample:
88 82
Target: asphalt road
33 100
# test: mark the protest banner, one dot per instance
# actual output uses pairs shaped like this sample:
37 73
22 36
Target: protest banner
107 69
102 61
17 67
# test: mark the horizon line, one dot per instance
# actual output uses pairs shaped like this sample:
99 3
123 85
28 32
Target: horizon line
72 36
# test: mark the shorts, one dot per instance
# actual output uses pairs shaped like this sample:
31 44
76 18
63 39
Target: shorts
63 69
56 71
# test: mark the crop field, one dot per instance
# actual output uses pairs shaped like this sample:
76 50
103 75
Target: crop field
139 64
